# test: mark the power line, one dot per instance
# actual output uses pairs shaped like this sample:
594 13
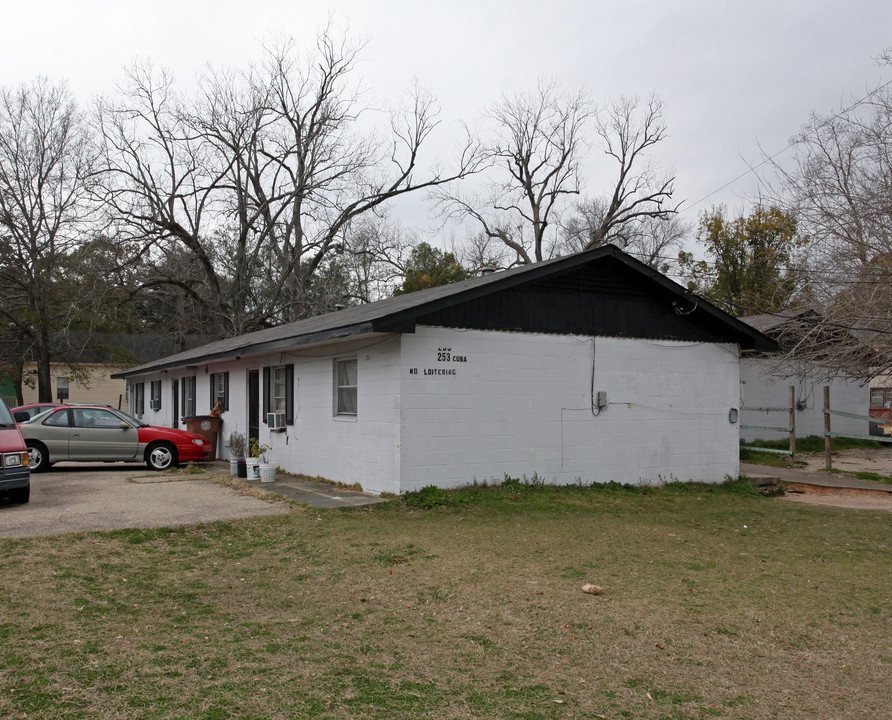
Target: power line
813 321
879 277
767 160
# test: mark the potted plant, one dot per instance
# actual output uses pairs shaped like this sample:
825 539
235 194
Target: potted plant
266 471
253 459
238 447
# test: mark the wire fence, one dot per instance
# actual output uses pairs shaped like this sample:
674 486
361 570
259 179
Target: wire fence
829 434
789 429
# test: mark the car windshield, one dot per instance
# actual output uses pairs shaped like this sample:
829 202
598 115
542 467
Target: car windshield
132 420
5 416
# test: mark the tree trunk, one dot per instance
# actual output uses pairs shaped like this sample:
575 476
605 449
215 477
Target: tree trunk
17 384
44 381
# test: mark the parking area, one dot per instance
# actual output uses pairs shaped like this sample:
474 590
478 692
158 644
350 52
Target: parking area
78 497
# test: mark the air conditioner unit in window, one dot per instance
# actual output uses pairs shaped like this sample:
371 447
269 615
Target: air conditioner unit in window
276 421
155 404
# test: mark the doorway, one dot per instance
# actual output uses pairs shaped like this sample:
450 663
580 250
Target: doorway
175 403
253 406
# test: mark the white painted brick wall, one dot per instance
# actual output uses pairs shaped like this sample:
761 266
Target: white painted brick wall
759 389
363 450
233 421
521 405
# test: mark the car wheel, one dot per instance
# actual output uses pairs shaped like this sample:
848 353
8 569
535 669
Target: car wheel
38 457
20 495
161 456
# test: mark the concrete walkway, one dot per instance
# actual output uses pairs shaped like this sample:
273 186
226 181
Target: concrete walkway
306 492
820 478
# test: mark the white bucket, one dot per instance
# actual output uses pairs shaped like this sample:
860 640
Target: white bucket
253 465
267 472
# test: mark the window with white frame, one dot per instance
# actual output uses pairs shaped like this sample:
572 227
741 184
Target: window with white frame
278 392
220 390
155 397
345 387
188 392
139 398
880 397
62 388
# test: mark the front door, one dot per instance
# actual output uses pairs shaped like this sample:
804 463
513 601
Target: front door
175 403
253 406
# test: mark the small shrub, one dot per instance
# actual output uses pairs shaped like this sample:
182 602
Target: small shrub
427 498
740 485
512 484
237 444
522 484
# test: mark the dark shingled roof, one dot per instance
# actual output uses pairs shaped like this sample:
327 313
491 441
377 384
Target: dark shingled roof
397 314
763 323
771 321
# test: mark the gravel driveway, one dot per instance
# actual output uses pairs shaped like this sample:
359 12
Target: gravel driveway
74 497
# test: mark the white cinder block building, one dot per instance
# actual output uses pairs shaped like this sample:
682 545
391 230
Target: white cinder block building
765 383
587 368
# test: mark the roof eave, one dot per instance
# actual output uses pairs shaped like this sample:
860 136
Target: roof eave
253 349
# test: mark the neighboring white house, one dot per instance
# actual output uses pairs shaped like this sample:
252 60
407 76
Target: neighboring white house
764 383
587 368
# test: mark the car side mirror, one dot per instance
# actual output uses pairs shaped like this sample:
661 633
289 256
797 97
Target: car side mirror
124 426
21 416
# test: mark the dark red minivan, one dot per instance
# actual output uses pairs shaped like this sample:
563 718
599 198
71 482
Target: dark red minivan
15 473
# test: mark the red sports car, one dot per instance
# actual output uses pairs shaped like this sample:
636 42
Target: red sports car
82 433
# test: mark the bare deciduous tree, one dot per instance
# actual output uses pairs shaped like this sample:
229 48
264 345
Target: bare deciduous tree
46 172
539 146
655 240
535 156
839 184
375 256
641 191
274 162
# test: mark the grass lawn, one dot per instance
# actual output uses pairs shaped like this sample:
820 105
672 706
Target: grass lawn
717 603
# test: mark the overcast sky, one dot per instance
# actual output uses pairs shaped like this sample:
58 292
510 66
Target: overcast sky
732 75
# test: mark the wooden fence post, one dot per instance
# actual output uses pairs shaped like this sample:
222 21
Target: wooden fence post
792 425
828 464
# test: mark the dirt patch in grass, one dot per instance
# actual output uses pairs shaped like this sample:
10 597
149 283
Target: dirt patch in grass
855 460
837 497
716 604
873 464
